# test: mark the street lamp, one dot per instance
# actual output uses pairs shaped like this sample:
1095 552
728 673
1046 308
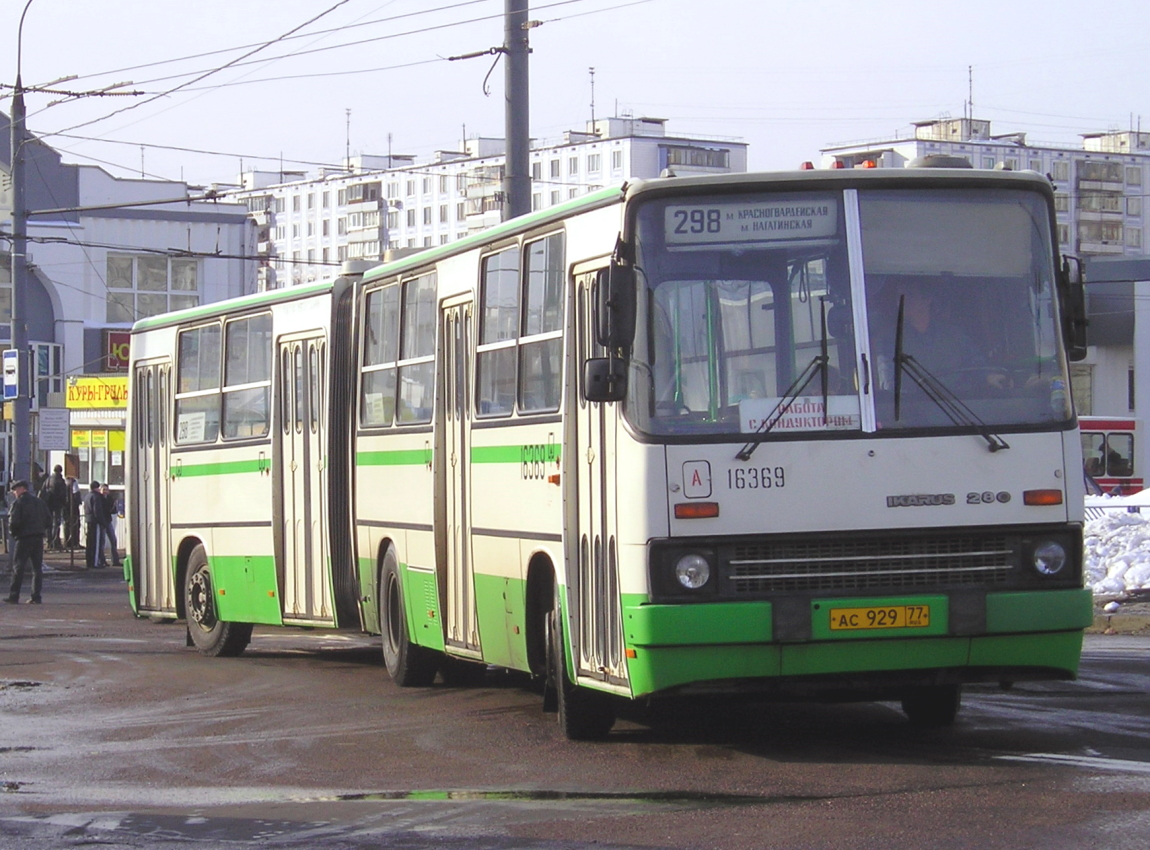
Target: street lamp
21 417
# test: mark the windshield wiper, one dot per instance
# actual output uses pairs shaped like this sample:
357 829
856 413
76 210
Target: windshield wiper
794 391
943 397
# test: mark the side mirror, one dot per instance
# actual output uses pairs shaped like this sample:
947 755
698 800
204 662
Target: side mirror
614 306
604 379
1073 297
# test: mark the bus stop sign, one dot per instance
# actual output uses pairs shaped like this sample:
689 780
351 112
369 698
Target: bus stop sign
11 374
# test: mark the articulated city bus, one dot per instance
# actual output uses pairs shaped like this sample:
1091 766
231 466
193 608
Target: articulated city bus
786 434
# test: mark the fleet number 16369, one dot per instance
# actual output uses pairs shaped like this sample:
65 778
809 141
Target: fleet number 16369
756 478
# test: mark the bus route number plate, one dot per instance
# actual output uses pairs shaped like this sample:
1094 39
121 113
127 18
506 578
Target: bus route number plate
880 617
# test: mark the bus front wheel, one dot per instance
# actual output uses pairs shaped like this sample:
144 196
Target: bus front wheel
408 664
934 706
584 714
211 635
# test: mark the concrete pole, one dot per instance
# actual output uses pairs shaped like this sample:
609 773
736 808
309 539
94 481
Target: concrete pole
517 174
21 418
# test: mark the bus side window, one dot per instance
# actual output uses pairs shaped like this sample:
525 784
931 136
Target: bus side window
541 332
498 330
380 353
416 371
1094 453
1120 455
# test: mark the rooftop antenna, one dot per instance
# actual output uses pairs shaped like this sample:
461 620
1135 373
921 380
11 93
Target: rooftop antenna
593 127
347 142
970 89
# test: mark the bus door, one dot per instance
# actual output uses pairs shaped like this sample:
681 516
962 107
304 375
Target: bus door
593 591
306 591
151 544
462 624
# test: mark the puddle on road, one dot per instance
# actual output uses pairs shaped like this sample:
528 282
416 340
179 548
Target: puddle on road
689 798
127 796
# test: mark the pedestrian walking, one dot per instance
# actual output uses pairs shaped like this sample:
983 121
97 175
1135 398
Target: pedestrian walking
94 507
108 525
28 521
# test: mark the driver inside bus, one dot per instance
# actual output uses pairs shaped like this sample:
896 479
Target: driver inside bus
934 340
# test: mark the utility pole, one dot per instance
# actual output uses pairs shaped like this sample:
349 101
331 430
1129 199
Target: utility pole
21 415
517 177
594 129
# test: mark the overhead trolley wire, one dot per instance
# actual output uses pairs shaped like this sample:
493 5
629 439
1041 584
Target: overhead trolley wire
287 38
205 74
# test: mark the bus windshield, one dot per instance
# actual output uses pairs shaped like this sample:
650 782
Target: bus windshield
842 312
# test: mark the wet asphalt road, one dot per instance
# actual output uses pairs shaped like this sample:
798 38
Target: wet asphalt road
114 734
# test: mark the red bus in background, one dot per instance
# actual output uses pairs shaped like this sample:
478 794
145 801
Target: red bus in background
1112 452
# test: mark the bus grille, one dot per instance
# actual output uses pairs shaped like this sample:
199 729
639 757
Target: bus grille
868 564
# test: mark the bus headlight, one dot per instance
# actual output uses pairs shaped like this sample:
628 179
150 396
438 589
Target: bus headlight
692 571
1049 558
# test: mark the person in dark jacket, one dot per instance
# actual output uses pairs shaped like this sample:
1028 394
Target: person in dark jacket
57 494
94 508
72 520
108 527
28 521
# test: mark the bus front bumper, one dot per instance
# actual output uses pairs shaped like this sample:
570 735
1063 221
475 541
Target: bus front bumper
748 646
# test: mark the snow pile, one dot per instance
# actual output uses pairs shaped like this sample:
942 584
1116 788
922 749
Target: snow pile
1117 553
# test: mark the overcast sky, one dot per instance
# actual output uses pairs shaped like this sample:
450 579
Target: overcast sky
786 76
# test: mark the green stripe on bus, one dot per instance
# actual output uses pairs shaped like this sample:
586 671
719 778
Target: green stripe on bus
235 467
496 454
545 453
479 454
404 457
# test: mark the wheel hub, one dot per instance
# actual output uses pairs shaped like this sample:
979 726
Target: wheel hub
200 608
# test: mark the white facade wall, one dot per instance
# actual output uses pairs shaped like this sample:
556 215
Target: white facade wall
1109 367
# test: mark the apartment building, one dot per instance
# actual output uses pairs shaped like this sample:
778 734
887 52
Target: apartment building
307 226
1100 208
1098 186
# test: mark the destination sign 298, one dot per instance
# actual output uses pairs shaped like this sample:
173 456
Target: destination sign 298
750 221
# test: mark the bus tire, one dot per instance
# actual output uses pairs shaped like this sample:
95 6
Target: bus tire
408 664
210 635
934 706
584 715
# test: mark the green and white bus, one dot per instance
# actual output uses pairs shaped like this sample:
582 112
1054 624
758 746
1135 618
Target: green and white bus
791 434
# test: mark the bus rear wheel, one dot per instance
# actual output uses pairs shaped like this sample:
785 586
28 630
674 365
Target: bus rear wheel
211 635
933 706
408 664
584 715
